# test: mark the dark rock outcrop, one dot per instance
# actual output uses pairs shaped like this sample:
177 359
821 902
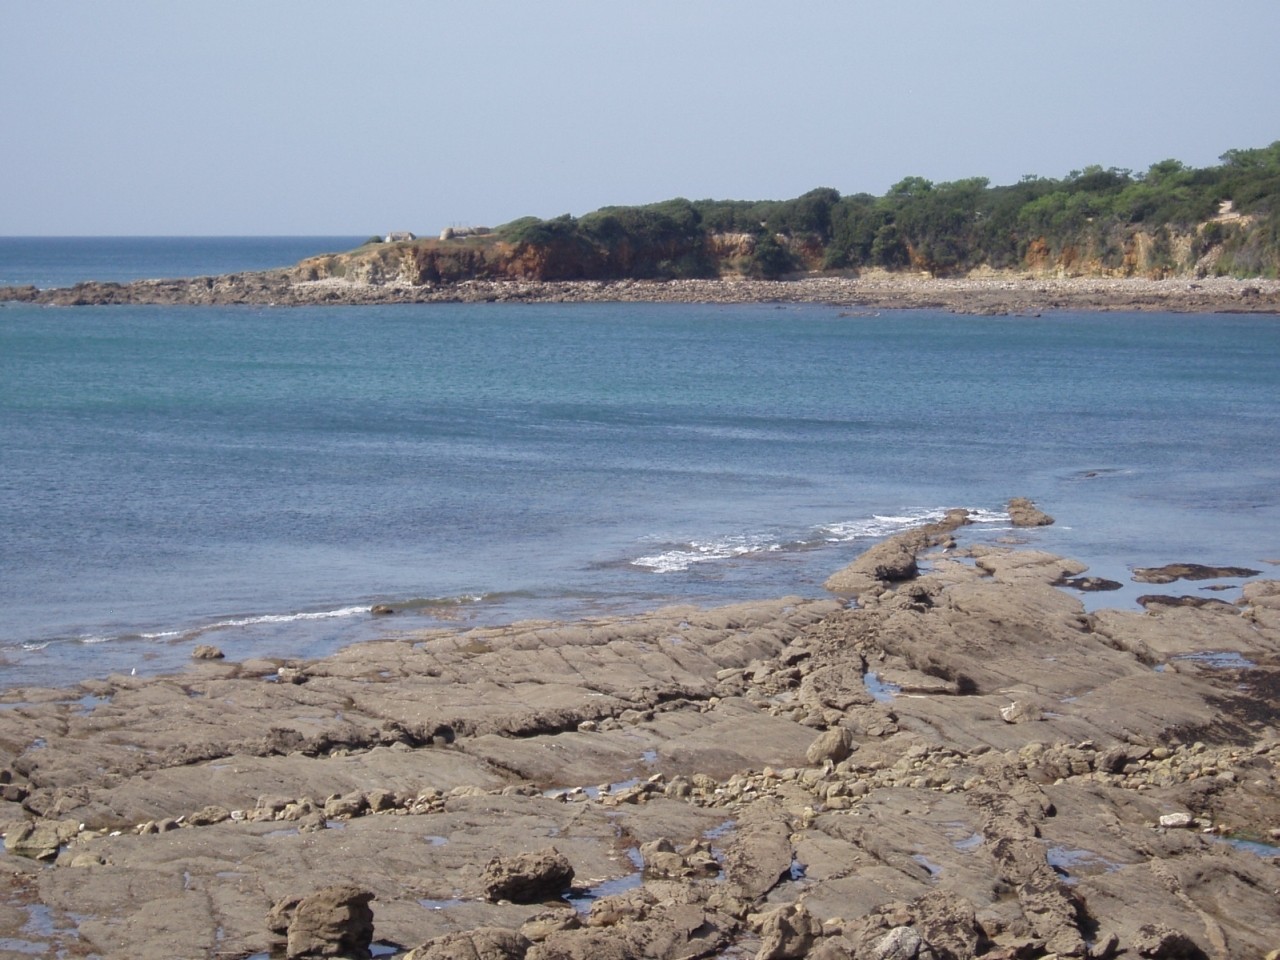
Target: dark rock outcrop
1188 571
527 877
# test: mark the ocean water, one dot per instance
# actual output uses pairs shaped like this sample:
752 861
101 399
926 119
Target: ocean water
64 261
258 478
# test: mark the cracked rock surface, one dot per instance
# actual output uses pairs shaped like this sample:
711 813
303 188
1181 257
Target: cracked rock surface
827 777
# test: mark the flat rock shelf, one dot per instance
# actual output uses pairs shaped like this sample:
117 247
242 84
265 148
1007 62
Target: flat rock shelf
705 782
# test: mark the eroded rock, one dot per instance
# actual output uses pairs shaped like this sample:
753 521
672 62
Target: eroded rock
1024 513
527 877
334 922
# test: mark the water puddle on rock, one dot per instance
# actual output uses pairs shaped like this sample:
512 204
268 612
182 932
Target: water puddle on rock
45 933
1217 659
881 691
441 904
582 899
1255 847
971 842
594 793
935 870
1067 862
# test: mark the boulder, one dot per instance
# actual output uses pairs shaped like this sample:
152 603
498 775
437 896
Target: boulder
900 943
207 816
527 877
1021 711
206 651
788 933
835 745
333 922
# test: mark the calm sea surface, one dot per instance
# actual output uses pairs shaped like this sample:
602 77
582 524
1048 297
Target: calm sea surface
256 478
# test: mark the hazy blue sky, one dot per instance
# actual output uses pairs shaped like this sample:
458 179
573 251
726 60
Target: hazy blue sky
325 117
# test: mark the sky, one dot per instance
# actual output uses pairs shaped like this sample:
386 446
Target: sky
318 117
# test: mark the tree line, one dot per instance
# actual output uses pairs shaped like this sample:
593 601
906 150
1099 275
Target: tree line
1088 216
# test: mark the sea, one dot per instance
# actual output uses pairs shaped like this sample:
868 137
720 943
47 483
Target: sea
258 478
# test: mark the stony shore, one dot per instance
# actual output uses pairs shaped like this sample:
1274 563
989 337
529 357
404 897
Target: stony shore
947 758
988 294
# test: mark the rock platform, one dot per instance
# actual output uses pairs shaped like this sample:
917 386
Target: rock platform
957 761
989 293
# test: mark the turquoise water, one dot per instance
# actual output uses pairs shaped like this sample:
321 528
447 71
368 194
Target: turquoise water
256 478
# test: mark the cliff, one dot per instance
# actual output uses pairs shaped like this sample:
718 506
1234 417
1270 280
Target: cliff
1126 253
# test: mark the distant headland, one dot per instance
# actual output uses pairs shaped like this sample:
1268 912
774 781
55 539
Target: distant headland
1172 238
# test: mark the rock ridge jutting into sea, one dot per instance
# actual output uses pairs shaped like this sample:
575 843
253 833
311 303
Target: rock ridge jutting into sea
947 758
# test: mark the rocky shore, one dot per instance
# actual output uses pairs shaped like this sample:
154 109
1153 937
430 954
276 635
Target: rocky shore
987 294
947 758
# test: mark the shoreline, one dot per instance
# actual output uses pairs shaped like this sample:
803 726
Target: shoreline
991 294
964 756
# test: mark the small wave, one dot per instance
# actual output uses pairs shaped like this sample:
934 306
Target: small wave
427 603
161 635
683 556
289 617
884 525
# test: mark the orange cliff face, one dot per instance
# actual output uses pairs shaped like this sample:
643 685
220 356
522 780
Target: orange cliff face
431 262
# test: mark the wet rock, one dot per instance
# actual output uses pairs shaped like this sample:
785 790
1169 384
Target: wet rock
1188 571
206 651
1149 600
1091 584
333 922
895 559
1024 513
527 877
482 943
382 610
40 839
835 745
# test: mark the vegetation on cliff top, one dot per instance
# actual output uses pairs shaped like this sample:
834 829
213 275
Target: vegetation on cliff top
1221 220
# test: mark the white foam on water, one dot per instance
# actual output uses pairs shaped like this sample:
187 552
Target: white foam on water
289 617
686 555
885 525
681 557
